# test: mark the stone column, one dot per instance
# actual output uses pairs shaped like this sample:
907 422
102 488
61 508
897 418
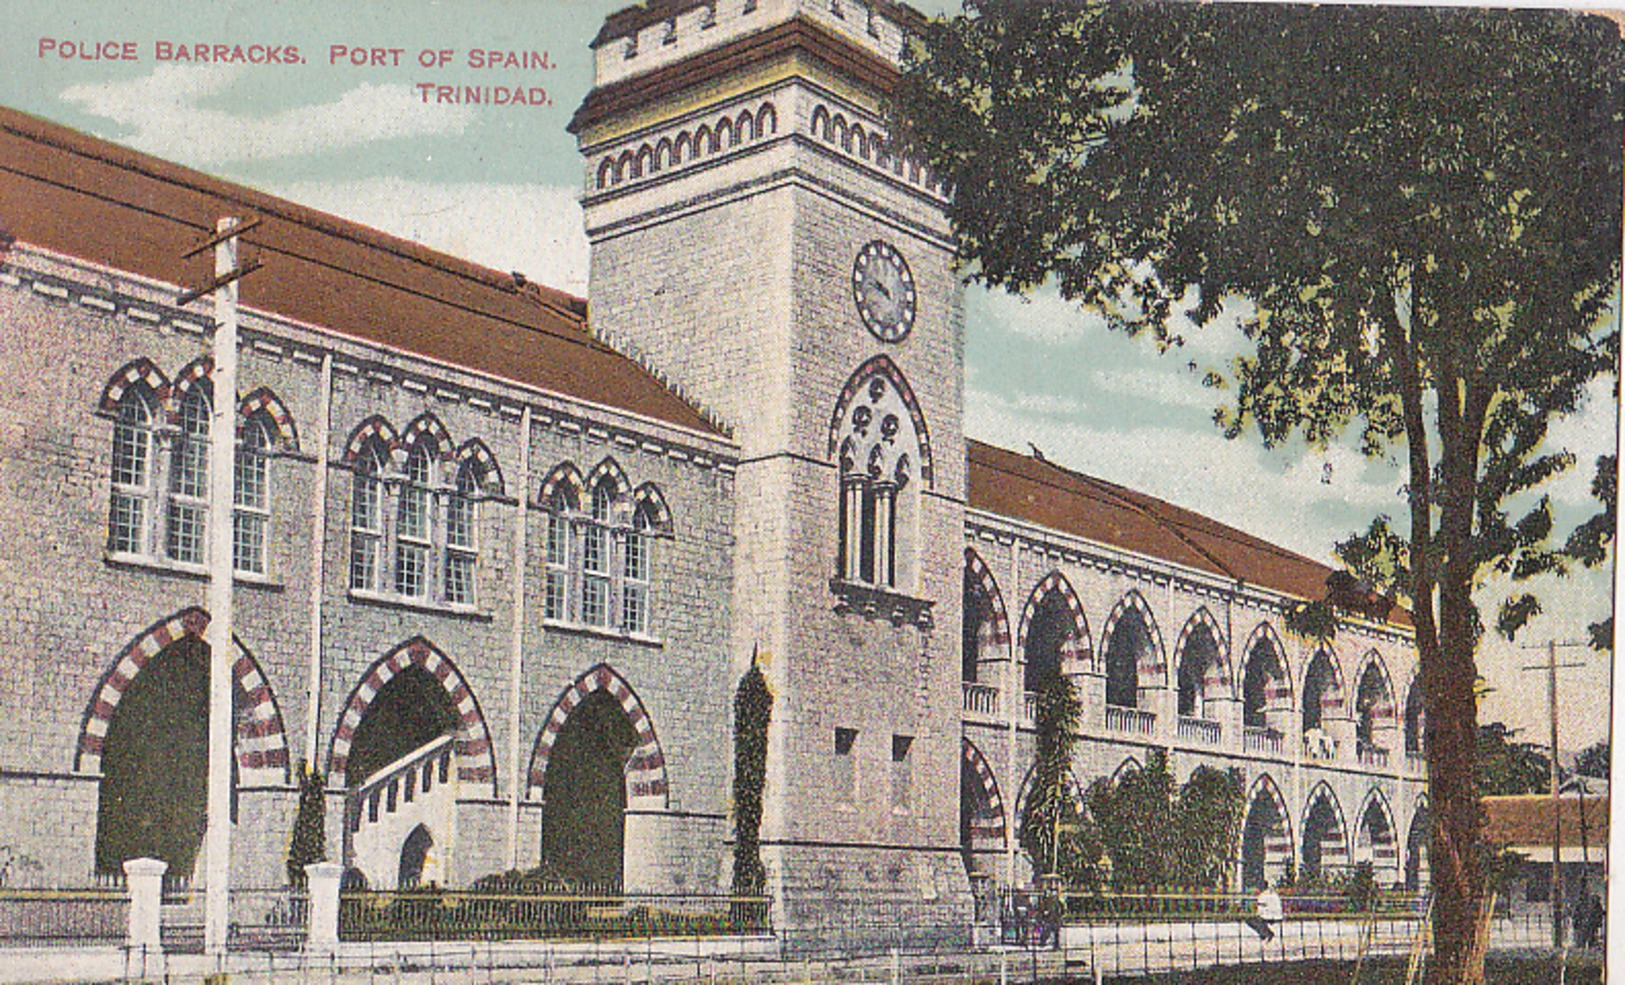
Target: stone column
144 877
322 930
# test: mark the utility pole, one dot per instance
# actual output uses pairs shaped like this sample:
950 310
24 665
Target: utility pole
222 472
1551 666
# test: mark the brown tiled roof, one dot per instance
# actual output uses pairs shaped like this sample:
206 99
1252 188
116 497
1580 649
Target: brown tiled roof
1526 821
75 194
1028 488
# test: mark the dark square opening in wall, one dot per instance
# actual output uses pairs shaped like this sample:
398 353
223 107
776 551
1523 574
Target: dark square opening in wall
844 738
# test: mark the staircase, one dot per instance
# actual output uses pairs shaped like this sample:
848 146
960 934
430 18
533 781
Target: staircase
419 789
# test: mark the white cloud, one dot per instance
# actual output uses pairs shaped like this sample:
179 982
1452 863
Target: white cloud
163 110
1235 482
1043 317
1170 383
535 229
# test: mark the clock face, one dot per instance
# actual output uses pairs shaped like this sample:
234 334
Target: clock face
884 291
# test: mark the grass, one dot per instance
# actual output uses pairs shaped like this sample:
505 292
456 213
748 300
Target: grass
1585 969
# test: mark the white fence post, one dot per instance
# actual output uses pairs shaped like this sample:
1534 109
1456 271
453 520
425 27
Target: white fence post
322 878
144 878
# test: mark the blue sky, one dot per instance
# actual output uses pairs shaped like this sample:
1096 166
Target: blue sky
499 185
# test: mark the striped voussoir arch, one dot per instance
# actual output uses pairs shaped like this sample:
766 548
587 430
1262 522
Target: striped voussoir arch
1334 840
981 579
261 742
1217 674
476 762
137 372
1278 836
645 768
1152 664
987 824
1076 650
264 402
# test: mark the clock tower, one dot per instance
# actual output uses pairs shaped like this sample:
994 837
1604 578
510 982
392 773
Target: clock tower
756 241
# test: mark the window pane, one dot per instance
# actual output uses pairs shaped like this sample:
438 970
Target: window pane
460 579
413 516
186 532
637 557
411 570
595 600
248 542
127 531
634 609
595 549
132 444
459 521
365 509
363 562
554 608
558 539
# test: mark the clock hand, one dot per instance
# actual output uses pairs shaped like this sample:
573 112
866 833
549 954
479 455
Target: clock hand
882 289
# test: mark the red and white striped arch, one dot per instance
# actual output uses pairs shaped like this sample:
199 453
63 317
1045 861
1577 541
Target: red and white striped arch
476 761
646 784
261 742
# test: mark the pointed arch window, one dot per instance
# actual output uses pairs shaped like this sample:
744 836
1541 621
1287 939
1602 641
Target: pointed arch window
186 524
597 557
132 475
412 527
559 555
879 440
367 519
635 578
462 552
251 499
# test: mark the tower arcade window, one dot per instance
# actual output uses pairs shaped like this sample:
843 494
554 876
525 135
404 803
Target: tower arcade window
879 441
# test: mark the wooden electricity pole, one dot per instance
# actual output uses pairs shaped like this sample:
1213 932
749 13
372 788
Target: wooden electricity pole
222 472
1551 666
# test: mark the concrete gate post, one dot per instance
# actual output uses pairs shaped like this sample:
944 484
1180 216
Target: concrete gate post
322 878
144 878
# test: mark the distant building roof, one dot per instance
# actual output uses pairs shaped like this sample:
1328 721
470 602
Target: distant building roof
85 197
1525 822
1029 488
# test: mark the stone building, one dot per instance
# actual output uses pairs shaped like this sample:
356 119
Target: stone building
500 564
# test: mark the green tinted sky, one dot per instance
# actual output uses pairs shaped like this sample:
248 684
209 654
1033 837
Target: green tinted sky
498 185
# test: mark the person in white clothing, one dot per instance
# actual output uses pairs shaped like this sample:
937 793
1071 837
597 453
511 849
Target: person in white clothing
1268 914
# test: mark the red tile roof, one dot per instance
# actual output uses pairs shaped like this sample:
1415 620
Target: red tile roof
1526 821
79 195
1028 488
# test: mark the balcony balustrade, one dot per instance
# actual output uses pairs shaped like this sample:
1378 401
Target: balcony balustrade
981 699
1131 720
1202 730
1370 755
1257 739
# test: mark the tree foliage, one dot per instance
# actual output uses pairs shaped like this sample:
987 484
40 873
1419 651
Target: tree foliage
309 842
1593 760
1420 209
1507 767
753 711
1054 833
1158 835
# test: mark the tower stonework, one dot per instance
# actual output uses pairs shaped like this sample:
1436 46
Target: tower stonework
754 238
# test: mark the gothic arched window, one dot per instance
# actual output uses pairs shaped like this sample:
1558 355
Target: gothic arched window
881 444
132 474
413 544
367 518
186 524
251 498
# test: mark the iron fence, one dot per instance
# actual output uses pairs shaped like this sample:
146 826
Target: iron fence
49 917
438 915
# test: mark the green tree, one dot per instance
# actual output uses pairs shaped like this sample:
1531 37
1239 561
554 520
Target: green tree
1421 209
1157 836
1054 833
1593 760
309 842
753 712
1506 767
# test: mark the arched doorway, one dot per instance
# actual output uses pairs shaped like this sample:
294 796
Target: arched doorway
154 762
1416 848
1266 845
1262 669
414 853
1321 691
411 710
584 793
981 810
1325 848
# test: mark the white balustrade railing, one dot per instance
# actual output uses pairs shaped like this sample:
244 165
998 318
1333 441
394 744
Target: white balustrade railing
1256 739
1201 730
1119 719
1370 755
981 699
